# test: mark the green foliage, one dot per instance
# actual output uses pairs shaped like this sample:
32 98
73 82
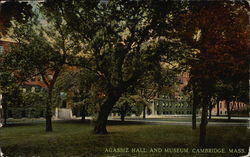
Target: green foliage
123 42
20 11
12 97
34 99
30 104
131 104
81 87
42 49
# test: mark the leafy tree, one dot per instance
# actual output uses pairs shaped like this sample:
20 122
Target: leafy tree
123 106
131 104
10 98
9 88
34 102
124 40
42 49
214 29
155 85
20 12
77 84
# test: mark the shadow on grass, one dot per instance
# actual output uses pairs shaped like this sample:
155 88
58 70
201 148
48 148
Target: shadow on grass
19 124
227 120
115 122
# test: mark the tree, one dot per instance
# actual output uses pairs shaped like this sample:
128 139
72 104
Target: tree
131 104
20 12
76 83
9 88
214 29
42 48
125 41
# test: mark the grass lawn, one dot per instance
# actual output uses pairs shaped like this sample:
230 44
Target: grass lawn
75 139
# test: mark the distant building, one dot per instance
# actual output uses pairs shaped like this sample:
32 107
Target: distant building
237 108
176 104
170 106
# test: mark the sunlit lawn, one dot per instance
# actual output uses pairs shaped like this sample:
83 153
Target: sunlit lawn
76 139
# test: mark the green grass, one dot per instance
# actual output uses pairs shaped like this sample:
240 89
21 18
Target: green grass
73 139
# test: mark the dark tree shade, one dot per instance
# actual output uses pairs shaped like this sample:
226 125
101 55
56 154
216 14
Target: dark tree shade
20 11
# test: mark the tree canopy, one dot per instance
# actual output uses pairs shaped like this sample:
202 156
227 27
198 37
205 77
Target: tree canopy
218 31
122 42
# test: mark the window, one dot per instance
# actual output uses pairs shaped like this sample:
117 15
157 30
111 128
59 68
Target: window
1 50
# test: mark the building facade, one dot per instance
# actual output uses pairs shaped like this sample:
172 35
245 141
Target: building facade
237 108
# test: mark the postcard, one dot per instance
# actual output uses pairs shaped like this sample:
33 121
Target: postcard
124 78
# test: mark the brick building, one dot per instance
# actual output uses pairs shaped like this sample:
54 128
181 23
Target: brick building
237 108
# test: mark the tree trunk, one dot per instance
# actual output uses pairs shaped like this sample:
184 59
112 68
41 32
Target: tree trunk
228 109
49 112
124 111
144 111
203 124
195 101
83 113
122 116
238 106
218 107
5 115
210 110
4 106
101 122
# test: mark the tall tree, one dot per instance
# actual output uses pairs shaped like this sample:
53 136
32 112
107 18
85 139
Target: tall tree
209 27
125 41
42 48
